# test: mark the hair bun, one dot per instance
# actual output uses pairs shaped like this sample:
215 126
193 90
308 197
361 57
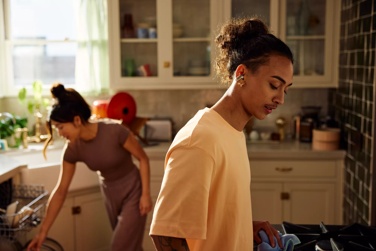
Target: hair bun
58 90
256 27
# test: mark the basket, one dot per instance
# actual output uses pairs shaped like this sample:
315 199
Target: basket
30 210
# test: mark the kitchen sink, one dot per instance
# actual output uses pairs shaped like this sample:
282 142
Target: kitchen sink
46 172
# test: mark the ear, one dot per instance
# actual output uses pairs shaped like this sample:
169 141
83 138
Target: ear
240 70
77 121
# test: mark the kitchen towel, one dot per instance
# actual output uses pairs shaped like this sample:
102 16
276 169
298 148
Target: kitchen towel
288 241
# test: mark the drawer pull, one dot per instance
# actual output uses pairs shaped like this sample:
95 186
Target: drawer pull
283 169
285 196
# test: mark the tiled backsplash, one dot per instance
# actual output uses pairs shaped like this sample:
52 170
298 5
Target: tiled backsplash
181 105
353 104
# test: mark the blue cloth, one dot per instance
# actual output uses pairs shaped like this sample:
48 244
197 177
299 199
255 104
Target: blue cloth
288 241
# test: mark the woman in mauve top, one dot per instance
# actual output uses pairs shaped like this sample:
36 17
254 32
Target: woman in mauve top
106 148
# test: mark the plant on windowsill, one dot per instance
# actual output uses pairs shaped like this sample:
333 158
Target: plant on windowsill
34 106
11 128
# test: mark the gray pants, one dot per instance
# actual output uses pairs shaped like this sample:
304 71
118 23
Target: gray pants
122 199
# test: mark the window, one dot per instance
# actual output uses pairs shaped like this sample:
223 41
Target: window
41 42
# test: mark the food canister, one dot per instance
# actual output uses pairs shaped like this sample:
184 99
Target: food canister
326 139
305 131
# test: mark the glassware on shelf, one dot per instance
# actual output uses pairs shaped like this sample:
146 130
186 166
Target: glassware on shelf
127 29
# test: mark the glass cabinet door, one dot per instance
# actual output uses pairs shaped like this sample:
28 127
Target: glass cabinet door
138 38
191 29
249 8
306 35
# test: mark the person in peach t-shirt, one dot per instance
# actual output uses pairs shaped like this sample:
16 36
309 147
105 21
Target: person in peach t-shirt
205 200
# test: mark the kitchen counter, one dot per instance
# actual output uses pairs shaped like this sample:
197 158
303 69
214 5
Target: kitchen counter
289 150
12 161
9 167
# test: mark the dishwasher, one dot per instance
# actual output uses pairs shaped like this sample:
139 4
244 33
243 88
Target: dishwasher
25 209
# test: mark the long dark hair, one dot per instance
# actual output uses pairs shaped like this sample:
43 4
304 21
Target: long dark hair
68 104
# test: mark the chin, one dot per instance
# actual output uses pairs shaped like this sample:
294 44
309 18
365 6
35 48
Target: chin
260 117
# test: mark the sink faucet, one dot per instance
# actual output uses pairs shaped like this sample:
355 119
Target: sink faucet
38 137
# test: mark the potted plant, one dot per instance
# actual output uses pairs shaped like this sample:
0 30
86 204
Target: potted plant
34 105
10 128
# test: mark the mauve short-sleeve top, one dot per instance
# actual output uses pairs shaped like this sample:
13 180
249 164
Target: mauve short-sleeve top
104 153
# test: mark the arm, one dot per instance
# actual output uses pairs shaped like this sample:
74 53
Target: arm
269 230
133 146
166 243
55 203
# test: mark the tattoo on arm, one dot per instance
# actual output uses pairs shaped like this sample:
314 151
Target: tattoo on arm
166 243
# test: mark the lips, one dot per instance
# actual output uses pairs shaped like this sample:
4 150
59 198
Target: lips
270 108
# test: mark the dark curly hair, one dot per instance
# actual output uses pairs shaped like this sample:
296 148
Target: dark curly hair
246 41
68 104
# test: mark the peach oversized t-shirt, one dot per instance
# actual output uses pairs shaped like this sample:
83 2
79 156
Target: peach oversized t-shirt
205 194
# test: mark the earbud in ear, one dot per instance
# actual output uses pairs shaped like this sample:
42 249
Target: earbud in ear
240 77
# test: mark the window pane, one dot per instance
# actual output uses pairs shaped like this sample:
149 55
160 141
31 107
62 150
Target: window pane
48 63
45 19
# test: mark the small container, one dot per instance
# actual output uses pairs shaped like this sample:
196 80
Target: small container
254 135
152 32
3 144
326 139
305 132
142 30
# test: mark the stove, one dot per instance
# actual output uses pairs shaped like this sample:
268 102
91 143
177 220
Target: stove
320 237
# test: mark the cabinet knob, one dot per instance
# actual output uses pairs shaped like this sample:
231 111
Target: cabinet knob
283 169
76 210
285 196
166 64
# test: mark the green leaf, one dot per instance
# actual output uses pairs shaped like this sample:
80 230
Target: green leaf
37 90
30 107
22 95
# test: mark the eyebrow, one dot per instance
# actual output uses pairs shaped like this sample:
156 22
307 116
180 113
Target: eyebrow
281 79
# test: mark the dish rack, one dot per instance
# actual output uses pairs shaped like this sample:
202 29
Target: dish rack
31 206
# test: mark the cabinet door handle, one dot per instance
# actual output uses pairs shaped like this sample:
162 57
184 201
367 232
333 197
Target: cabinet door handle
76 210
283 169
285 196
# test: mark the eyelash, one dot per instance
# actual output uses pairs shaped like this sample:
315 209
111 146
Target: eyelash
275 88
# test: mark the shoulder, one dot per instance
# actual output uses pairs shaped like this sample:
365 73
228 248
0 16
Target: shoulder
110 126
204 127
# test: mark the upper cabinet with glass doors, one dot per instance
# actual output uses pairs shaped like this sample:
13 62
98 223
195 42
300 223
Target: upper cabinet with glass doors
162 44
309 27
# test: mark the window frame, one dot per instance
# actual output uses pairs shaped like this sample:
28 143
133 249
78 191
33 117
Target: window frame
7 86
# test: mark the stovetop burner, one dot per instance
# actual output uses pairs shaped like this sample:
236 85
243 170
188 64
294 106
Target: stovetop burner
355 237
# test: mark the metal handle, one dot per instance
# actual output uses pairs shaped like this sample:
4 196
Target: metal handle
283 169
76 210
285 196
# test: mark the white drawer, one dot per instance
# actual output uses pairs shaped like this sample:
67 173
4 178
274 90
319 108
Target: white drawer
291 169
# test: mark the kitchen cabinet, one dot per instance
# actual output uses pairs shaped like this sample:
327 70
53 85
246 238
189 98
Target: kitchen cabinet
299 191
156 176
83 223
162 44
309 27
83 215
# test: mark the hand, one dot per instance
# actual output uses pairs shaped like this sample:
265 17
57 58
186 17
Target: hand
269 230
145 204
36 242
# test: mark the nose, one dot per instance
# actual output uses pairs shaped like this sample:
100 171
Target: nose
279 98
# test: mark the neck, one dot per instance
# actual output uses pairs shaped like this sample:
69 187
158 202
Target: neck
231 111
89 131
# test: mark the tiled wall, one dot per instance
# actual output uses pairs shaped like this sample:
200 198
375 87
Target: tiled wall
181 105
354 104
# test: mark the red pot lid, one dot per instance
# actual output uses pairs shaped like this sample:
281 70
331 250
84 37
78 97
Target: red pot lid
122 106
